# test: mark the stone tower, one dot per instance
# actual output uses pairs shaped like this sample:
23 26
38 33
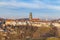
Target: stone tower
30 16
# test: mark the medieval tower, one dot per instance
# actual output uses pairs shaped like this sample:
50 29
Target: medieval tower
30 16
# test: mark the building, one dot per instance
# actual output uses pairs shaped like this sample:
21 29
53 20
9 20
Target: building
21 23
30 16
10 22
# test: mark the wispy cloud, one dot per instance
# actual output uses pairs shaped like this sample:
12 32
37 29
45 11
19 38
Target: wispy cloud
19 4
36 4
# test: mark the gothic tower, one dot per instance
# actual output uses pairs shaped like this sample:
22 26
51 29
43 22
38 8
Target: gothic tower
30 16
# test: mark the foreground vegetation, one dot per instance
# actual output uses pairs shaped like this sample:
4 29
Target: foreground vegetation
29 33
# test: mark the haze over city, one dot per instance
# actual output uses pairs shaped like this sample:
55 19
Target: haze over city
22 8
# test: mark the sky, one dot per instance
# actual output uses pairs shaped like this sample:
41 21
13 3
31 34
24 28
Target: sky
21 8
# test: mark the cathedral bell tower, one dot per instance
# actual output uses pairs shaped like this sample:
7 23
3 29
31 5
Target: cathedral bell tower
30 16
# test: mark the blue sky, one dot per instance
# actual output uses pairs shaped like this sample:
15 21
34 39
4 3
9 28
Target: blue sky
22 8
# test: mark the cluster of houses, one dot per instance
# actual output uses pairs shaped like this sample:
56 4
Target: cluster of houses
34 22
30 21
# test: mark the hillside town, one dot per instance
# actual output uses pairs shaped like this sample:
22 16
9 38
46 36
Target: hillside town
29 29
29 21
